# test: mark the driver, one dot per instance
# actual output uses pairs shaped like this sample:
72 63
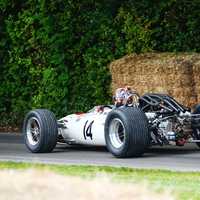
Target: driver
123 96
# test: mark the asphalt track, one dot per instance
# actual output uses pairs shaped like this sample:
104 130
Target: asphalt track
172 158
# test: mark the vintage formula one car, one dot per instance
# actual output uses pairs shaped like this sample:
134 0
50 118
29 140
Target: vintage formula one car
127 128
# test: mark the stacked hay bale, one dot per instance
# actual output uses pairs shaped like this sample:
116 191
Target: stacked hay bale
173 74
196 77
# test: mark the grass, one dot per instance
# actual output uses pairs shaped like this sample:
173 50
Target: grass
185 185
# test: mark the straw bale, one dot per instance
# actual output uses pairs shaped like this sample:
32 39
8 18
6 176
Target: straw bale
174 74
196 75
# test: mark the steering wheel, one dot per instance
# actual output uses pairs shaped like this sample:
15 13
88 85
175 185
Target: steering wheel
107 106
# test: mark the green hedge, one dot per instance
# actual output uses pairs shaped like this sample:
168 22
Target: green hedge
55 53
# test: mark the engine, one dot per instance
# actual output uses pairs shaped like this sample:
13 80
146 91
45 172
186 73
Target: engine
170 122
173 129
167 132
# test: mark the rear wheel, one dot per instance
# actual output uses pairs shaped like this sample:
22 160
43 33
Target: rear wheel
196 129
40 131
126 132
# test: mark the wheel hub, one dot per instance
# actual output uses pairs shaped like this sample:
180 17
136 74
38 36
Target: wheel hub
117 133
33 131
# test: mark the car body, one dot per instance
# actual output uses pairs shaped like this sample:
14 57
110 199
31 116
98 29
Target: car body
85 128
126 130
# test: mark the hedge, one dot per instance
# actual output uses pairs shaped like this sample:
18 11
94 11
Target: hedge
55 54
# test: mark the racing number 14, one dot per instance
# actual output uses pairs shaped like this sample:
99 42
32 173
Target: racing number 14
87 130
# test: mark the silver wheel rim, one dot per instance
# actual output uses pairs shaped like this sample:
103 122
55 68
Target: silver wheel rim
198 132
33 131
117 133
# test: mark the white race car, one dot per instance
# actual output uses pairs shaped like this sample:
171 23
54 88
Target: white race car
126 130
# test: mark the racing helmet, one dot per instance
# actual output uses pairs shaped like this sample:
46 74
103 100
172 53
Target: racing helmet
125 96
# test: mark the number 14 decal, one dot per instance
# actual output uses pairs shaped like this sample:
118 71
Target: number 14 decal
87 130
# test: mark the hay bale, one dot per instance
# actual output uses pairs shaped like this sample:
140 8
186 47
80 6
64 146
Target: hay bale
174 74
196 77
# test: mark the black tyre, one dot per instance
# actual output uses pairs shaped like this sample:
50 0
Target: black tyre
40 131
196 128
126 132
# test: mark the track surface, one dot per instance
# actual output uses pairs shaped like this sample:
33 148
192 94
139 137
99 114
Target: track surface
173 158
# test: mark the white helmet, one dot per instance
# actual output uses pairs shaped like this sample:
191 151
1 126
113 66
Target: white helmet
124 96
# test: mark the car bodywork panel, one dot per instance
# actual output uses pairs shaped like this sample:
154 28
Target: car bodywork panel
85 128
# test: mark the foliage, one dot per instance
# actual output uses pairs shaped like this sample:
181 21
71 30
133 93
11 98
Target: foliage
55 54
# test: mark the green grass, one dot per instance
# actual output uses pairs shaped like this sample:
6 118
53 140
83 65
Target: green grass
185 185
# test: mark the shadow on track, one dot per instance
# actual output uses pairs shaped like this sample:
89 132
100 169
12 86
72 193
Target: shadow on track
153 151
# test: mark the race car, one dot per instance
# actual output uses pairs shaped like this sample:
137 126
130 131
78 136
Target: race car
127 128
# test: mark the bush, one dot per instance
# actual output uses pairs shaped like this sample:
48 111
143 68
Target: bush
54 54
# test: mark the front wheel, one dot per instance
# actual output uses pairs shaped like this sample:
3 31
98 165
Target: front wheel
126 132
40 131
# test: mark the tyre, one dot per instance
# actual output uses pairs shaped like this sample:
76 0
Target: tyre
40 131
126 132
196 129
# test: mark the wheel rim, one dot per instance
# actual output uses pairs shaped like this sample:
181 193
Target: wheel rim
117 133
33 131
198 133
